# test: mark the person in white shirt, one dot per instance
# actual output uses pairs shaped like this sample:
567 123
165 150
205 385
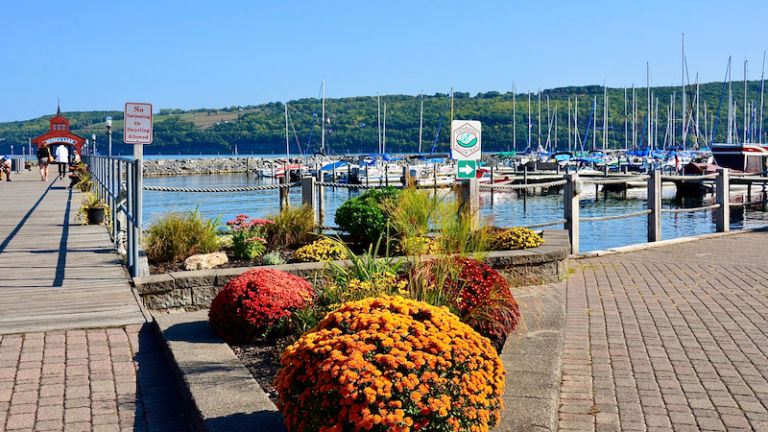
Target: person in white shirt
62 159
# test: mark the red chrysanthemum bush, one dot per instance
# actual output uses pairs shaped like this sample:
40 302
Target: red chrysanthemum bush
479 294
390 364
251 305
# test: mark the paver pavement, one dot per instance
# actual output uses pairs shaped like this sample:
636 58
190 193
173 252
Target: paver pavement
670 338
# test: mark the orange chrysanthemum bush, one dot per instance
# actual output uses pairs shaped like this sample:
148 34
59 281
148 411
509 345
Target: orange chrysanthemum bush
390 364
253 304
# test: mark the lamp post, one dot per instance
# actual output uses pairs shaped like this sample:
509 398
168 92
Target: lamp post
109 134
93 139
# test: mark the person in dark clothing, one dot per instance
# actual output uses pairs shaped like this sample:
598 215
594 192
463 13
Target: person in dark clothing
43 159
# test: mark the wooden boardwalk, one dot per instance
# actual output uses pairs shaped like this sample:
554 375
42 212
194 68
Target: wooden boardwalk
54 272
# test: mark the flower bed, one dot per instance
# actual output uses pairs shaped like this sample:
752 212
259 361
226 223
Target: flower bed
388 363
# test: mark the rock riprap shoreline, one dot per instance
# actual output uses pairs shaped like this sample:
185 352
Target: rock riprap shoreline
160 167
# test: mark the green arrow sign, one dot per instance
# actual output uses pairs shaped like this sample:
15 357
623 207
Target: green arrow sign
466 169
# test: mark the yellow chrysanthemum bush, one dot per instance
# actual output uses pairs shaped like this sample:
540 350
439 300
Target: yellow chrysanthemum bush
321 250
390 364
517 238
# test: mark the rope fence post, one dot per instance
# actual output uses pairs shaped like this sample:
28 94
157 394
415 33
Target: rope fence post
321 194
283 191
469 197
654 205
722 196
571 209
308 194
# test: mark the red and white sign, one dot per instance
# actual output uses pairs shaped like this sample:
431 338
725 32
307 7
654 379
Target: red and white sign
137 124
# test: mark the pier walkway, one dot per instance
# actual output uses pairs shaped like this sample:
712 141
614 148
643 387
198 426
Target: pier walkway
668 338
76 351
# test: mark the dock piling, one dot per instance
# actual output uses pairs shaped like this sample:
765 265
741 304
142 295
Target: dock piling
722 196
654 205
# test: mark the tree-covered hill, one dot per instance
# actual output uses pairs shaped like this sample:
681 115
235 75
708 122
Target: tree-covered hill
352 123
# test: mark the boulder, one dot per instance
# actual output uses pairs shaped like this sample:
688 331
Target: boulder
205 261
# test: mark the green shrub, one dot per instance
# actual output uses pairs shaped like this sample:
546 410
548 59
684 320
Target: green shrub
363 216
292 226
176 236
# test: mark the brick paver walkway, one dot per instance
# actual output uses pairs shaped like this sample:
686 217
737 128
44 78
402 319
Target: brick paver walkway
671 338
111 379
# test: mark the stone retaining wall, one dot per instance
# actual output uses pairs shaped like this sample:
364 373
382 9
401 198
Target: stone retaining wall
196 289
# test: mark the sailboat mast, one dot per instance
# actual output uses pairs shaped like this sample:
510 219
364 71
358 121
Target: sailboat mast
514 119
529 120
672 138
730 104
575 123
648 92
451 104
421 120
634 117
762 90
656 126
746 125
378 117
555 144
287 149
594 123
569 123
384 137
625 119
322 124
696 136
683 109
549 125
538 109
605 114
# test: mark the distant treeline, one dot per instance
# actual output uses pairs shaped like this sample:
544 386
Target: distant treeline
352 123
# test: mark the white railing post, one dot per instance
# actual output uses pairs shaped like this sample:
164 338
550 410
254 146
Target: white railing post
571 209
723 198
654 205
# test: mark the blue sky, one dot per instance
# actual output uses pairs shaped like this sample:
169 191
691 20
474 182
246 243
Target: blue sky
194 54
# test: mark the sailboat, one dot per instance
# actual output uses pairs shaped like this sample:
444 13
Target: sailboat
746 156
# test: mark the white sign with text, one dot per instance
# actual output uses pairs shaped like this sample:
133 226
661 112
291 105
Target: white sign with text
137 123
465 140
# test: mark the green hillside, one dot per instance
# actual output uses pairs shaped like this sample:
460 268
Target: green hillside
352 122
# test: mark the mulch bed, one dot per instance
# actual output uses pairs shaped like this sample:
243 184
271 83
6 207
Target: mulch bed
263 361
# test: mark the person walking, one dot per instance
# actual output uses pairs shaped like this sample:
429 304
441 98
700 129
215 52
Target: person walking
43 159
5 167
62 159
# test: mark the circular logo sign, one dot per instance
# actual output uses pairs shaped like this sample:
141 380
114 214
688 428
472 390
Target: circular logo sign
466 140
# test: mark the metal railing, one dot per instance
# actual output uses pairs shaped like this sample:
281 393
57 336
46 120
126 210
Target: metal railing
118 182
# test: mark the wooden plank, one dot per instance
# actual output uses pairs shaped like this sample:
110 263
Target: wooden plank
52 277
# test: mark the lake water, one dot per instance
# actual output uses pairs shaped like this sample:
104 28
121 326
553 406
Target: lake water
508 209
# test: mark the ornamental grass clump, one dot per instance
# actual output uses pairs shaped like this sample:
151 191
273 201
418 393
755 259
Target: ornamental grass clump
258 303
292 226
517 238
175 236
321 250
248 240
390 364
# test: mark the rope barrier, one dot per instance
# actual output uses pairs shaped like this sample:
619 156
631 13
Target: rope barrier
622 216
227 189
355 186
738 204
522 186
546 224
754 179
604 181
692 210
697 178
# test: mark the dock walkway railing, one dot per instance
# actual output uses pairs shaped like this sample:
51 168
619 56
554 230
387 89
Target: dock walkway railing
118 182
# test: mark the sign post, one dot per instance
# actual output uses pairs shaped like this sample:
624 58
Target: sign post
138 130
